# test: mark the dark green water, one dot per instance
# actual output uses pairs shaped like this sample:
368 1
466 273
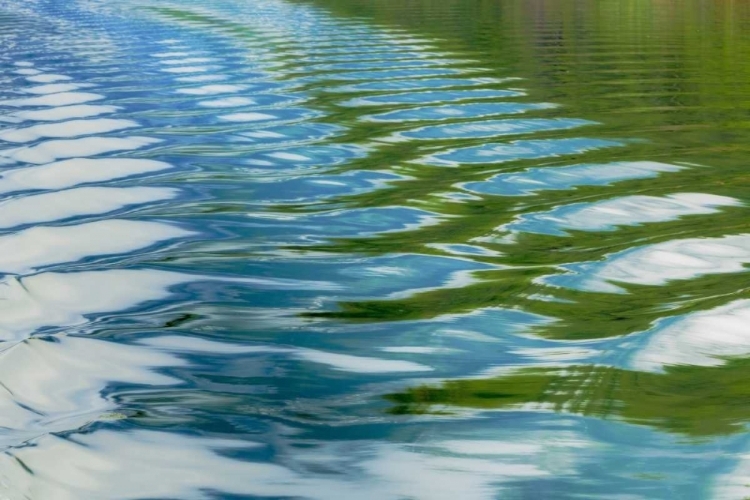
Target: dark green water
339 249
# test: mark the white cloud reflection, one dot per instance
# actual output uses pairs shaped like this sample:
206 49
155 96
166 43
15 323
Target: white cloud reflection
76 202
38 246
52 150
660 263
705 338
68 173
129 465
57 385
63 299
340 362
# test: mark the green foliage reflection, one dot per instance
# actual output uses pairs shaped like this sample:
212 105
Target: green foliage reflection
696 401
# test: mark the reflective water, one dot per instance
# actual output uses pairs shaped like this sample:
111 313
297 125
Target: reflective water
335 249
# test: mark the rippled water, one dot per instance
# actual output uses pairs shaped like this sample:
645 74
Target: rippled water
338 249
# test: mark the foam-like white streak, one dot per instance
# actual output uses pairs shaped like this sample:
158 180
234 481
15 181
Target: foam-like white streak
735 484
57 385
73 128
50 151
185 69
404 473
54 88
247 117
64 112
61 99
282 155
170 54
228 102
341 362
624 211
537 179
358 364
489 447
189 60
419 350
211 89
68 173
48 78
660 263
700 339
39 246
76 202
200 78
63 299
556 354
112 465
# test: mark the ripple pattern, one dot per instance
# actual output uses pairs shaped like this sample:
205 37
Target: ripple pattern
279 251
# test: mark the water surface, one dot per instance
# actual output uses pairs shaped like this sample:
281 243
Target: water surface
334 249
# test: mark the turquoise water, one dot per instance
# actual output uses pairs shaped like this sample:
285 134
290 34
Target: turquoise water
338 249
